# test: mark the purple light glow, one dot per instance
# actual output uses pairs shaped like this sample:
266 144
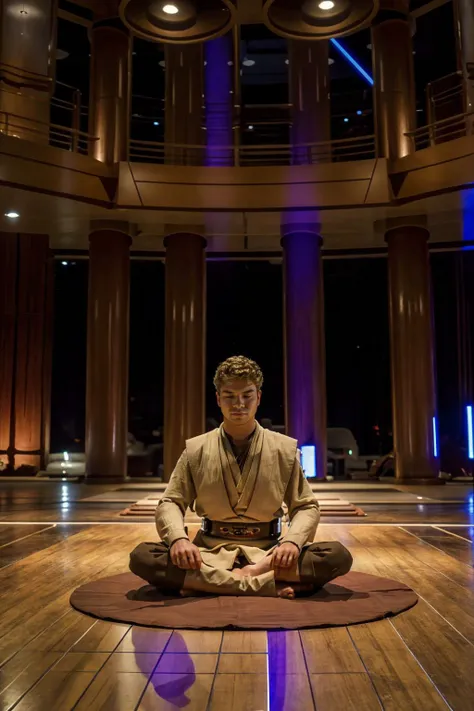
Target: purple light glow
218 87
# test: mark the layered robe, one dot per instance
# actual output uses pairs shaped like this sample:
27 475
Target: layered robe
208 478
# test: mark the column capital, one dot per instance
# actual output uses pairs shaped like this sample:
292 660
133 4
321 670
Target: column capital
188 230
126 228
394 224
299 224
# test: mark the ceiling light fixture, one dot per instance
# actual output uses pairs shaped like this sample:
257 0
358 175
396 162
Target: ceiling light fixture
248 62
12 215
170 9
326 5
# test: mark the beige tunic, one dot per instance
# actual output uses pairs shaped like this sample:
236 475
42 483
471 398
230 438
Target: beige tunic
208 478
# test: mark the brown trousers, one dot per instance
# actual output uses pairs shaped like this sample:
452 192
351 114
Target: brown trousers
318 564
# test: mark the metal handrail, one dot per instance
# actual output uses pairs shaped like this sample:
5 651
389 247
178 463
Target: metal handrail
362 147
73 139
438 124
441 131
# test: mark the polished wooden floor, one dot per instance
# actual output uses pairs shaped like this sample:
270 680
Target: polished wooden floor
55 659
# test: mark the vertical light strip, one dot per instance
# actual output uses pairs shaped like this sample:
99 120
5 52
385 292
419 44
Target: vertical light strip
352 61
470 433
269 700
308 460
435 438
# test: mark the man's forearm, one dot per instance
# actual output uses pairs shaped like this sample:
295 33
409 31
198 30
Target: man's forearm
303 527
170 522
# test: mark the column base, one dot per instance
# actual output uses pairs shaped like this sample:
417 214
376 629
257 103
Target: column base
423 482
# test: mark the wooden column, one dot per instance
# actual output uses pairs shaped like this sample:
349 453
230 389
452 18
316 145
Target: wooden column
26 276
184 344
464 18
394 84
110 94
309 97
183 103
412 352
107 351
305 354
8 315
27 67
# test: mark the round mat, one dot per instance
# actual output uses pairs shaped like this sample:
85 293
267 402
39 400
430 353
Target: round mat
348 600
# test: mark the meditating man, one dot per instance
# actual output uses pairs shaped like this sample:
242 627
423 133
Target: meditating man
236 478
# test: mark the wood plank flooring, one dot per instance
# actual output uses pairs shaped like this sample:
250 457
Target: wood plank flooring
53 658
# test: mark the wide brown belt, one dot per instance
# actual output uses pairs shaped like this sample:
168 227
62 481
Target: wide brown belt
233 530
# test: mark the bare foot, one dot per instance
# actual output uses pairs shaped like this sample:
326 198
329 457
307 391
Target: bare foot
285 591
289 591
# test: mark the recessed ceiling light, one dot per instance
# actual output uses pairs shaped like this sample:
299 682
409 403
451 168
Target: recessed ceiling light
170 9
248 62
12 215
326 5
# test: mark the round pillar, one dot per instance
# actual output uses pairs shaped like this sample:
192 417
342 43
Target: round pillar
107 351
184 344
183 103
110 93
27 67
394 85
305 360
309 97
26 319
219 99
464 14
412 354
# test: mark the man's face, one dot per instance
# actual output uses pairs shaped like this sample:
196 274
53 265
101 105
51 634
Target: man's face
239 400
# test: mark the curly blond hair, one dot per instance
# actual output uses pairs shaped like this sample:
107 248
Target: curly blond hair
238 368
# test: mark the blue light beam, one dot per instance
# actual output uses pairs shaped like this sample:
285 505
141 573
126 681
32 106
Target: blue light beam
435 438
470 433
352 61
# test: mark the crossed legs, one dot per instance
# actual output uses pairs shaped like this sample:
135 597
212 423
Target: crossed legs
318 564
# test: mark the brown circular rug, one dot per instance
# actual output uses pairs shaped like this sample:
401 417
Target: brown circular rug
348 600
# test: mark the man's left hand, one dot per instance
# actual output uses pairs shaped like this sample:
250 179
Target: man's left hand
286 555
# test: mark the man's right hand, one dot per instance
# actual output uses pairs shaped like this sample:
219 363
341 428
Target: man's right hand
185 555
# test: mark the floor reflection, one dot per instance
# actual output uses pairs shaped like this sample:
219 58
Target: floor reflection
170 687
277 665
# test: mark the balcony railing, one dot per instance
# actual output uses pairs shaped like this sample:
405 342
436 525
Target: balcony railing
358 148
52 134
447 129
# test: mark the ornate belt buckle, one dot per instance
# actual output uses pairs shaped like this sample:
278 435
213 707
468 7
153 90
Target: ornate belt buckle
239 531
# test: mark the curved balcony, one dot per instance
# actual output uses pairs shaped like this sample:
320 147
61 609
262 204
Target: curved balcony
161 176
